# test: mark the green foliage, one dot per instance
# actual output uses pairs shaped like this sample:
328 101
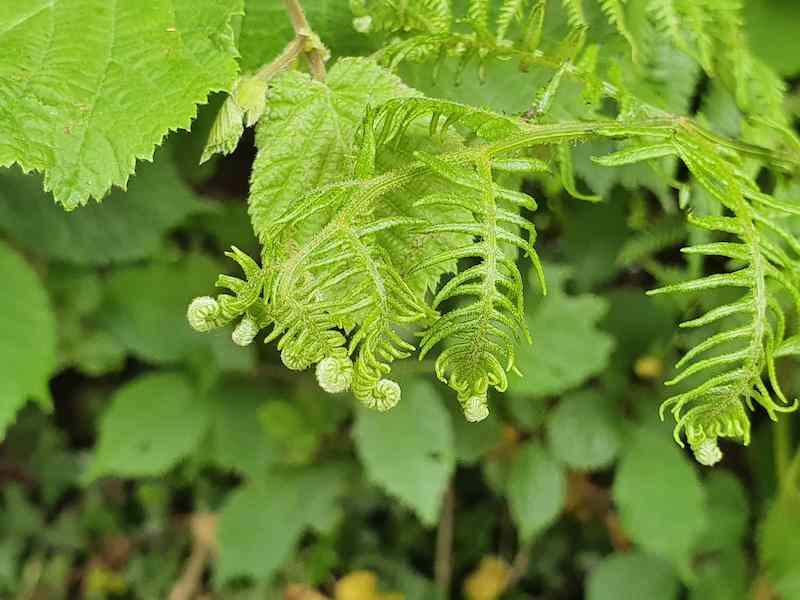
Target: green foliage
86 118
562 358
151 423
536 490
26 318
283 504
583 431
483 191
660 498
409 452
130 226
633 575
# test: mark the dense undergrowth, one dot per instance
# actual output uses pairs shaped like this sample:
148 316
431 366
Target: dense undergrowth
478 239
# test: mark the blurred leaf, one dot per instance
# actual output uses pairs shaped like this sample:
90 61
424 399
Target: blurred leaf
287 427
536 490
27 337
151 423
126 226
567 348
722 577
773 27
583 431
409 450
262 521
592 238
728 512
632 576
237 439
662 505
637 323
779 544
153 324
474 440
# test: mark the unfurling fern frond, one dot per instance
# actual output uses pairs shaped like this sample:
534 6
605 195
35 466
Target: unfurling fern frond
733 367
206 313
480 336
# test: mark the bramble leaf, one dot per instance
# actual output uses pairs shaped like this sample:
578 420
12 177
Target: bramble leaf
91 87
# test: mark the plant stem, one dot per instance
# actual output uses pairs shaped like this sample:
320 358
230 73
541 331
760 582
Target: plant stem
284 60
443 568
304 32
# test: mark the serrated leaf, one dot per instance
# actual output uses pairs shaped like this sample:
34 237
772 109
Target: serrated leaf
564 356
536 490
632 576
27 337
583 431
409 451
129 226
305 139
89 87
262 521
151 423
779 544
661 502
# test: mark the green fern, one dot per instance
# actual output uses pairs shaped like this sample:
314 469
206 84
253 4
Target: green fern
395 170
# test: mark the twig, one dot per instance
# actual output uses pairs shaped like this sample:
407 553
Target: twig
203 527
443 567
519 566
304 32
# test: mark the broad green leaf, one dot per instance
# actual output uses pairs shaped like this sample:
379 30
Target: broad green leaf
27 337
237 439
728 512
632 576
128 227
536 490
305 138
150 424
153 324
90 86
261 522
779 544
408 450
583 431
661 502
562 356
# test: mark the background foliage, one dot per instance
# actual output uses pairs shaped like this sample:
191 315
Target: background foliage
152 461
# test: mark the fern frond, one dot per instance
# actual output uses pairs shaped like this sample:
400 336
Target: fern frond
737 374
480 336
